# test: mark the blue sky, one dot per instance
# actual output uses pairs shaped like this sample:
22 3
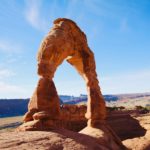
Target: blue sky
118 33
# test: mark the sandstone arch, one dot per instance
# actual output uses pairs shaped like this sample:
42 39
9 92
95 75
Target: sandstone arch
65 41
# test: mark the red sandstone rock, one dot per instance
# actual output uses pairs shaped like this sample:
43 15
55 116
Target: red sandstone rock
54 140
45 98
65 41
104 135
140 142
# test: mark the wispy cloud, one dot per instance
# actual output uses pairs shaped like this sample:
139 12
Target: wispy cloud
71 88
7 46
11 91
5 73
101 8
110 9
69 13
131 82
7 89
33 16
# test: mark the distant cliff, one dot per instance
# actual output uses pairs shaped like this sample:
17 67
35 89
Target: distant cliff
13 107
17 107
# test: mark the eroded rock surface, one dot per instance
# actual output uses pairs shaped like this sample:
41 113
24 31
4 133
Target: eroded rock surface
140 142
65 41
59 139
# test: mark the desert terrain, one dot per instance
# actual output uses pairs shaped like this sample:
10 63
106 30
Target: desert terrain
130 101
134 132
129 124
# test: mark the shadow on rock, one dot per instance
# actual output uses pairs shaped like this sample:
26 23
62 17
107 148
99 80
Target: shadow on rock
125 126
147 147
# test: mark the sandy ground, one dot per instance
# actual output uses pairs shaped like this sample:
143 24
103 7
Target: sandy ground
10 123
143 142
130 103
9 120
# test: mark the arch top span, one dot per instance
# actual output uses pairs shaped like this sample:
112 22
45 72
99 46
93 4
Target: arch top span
65 41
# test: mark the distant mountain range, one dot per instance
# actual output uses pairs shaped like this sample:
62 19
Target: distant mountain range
13 107
16 107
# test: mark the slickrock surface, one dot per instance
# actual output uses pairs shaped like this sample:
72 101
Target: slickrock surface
33 140
126 126
59 139
142 142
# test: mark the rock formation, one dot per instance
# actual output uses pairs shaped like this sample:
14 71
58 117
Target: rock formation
65 41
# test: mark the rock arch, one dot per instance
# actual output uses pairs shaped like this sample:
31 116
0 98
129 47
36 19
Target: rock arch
65 41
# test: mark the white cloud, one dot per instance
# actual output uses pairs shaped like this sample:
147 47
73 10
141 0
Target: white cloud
11 60
76 87
72 4
4 73
132 82
5 87
11 91
32 15
101 8
8 90
7 46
